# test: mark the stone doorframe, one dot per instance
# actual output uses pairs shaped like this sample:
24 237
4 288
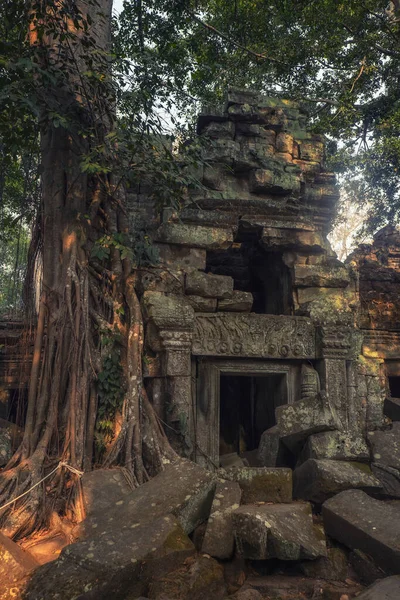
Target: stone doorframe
207 424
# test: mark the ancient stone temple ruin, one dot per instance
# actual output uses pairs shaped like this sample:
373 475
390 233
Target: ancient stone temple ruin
254 329
273 366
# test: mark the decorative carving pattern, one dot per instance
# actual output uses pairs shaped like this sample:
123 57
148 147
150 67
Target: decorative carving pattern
253 335
335 341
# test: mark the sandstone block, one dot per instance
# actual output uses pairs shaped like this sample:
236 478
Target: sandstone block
208 285
391 408
302 418
102 488
321 276
160 280
224 130
274 182
365 567
261 484
360 522
195 236
271 451
335 445
15 563
284 531
287 239
239 302
332 567
200 304
200 578
389 479
183 489
219 540
311 150
385 446
284 142
317 480
109 564
223 151
175 256
386 589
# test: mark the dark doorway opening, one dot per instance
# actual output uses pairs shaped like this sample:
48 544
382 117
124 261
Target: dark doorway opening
255 270
247 409
394 386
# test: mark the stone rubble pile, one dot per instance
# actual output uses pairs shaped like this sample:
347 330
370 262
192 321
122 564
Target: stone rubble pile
238 533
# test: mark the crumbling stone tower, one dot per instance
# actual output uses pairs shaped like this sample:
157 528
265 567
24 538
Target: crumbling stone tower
249 300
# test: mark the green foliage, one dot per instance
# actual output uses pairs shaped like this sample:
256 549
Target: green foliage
111 388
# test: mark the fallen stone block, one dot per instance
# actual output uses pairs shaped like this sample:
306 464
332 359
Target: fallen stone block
200 578
15 562
183 489
318 480
271 451
247 594
385 446
332 567
389 479
219 540
335 445
386 589
391 408
360 522
365 567
113 564
208 285
239 302
284 531
291 587
102 488
303 418
261 484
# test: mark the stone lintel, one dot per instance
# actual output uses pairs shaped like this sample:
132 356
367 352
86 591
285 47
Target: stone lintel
254 335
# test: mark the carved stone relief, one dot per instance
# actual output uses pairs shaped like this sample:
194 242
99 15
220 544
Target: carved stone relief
254 335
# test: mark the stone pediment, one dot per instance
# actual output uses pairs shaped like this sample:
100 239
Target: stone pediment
254 335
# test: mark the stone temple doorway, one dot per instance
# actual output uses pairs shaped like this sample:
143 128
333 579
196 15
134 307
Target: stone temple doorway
247 409
236 401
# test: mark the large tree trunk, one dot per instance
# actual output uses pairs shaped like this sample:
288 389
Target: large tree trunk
82 297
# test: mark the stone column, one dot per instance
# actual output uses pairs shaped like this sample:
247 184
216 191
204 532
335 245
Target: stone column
334 349
170 321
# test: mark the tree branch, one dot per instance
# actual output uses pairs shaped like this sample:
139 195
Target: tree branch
234 43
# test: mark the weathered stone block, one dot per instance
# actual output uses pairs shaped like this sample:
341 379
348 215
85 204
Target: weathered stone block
161 280
385 446
317 480
200 304
261 484
239 302
283 531
312 150
242 96
271 451
389 479
223 151
284 143
334 566
219 540
208 285
288 239
360 522
183 489
274 182
168 311
386 589
365 567
15 563
199 578
335 445
109 564
299 420
321 276
224 130
102 488
172 255
194 235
